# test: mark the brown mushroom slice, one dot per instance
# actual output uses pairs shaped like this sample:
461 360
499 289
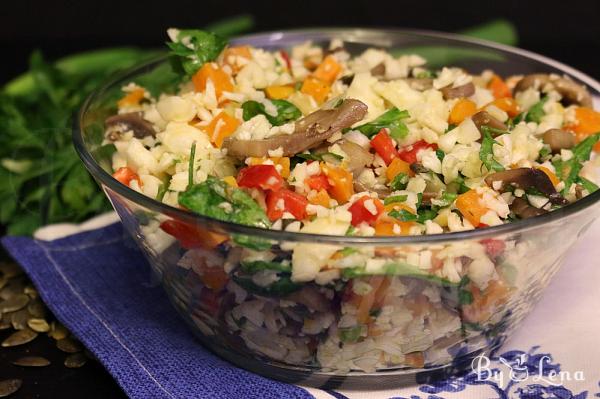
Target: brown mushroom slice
309 132
466 90
358 157
524 209
378 70
483 118
420 84
116 125
559 139
381 190
525 178
573 93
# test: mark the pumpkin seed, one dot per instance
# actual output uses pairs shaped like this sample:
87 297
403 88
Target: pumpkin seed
18 319
69 345
38 325
19 338
5 323
75 361
14 303
32 361
36 309
58 331
31 292
8 387
10 269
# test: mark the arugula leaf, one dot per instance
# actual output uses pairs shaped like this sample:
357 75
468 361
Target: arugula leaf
486 153
319 157
394 198
391 119
191 165
281 287
569 170
399 182
286 111
536 111
445 200
258 265
397 269
590 186
405 216
192 48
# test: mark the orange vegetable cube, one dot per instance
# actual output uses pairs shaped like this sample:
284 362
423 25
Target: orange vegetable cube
132 98
319 198
219 78
396 167
279 92
342 184
463 109
550 175
588 122
498 87
232 55
230 181
470 207
385 227
328 70
318 89
221 127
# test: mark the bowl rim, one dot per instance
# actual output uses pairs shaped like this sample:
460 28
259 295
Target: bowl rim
152 204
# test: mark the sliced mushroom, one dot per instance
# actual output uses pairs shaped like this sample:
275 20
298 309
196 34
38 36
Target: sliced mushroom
420 84
559 139
571 92
378 70
117 125
309 132
524 209
358 157
482 118
418 168
381 190
525 178
466 90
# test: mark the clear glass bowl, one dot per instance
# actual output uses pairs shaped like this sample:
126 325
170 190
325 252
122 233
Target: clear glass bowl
406 326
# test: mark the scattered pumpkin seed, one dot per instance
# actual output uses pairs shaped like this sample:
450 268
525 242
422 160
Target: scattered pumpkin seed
19 338
32 361
58 331
8 387
69 345
18 319
36 309
31 292
75 360
14 303
38 325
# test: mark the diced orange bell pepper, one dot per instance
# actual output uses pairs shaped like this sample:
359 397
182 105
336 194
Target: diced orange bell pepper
342 184
328 70
550 175
221 127
469 205
588 122
231 55
230 181
319 198
125 175
385 227
498 87
463 109
396 167
508 105
279 92
282 162
219 78
318 89
366 302
415 360
132 98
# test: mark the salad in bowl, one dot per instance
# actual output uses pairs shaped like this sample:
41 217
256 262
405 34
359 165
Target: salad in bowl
328 205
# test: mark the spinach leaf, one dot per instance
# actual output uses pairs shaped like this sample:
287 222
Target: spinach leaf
286 111
192 48
569 170
391 119
405 216
281 287
350 334
394 198
397 269
258 265
399 182
536 111
587 184
486 153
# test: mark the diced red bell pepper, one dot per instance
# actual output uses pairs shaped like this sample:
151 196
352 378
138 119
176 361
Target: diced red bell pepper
384 146
493 247
125 175
409 153
190 236
286 58
360 213
284 200
264 177
318 182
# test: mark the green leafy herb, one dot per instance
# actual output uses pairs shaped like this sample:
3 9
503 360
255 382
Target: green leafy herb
405 216
286 111
535 113
440 154
587 184
399 182
465 296
486 153
282 287
191 165
394 198
397 269
258 265
350 334
569 170
391 119
192 48
446 199
348 251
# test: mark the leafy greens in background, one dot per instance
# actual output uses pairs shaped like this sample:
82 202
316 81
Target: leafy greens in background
42 180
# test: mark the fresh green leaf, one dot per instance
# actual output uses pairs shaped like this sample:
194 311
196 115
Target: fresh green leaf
394 198
350 334
535 113
486 153
192 48
399 182
191 168
258 265
397 269
282 287
286 111
391 119
318 157
232 26
587 184
569 170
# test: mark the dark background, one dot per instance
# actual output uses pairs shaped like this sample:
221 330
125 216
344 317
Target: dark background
568 30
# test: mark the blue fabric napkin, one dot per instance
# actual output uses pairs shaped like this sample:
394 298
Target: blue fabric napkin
99 285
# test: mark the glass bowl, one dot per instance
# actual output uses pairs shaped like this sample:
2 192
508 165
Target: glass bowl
359 330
